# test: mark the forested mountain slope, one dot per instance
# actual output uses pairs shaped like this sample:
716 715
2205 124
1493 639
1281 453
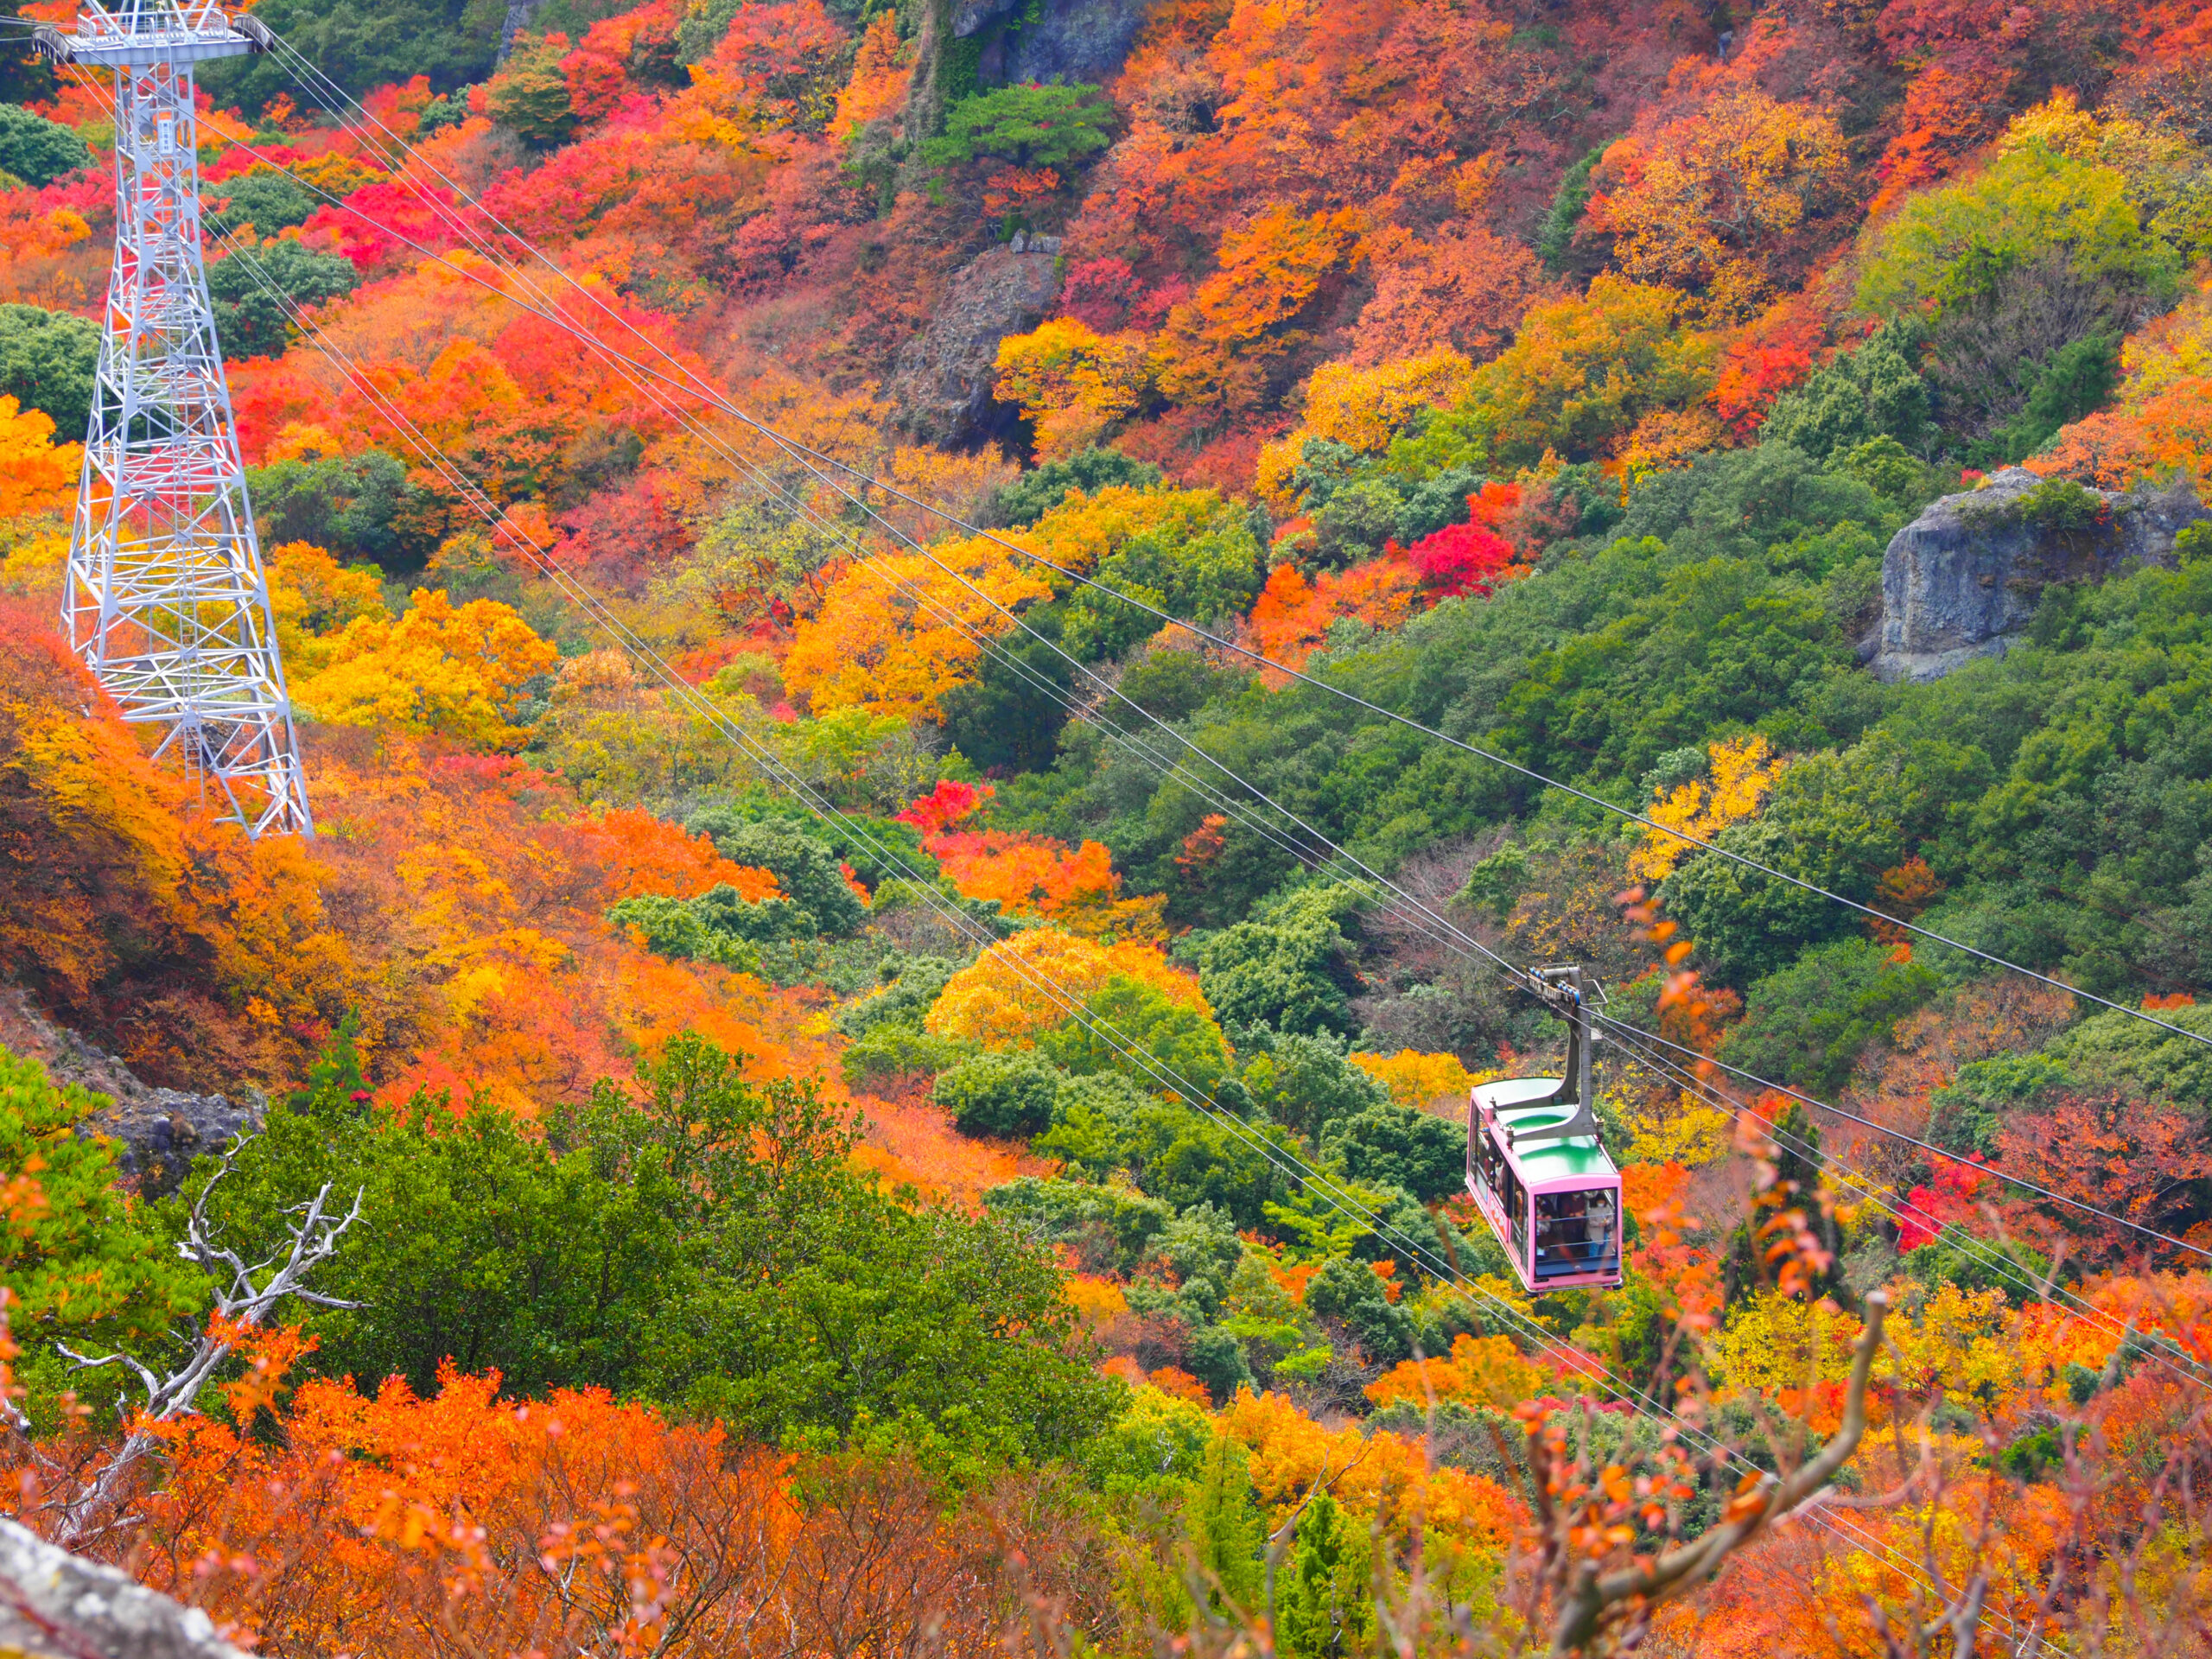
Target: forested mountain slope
939 648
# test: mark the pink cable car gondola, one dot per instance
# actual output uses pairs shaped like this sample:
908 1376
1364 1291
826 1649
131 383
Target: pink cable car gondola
1537 1168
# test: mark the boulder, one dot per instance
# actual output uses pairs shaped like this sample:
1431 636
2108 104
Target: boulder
943 382
1963 579
57 1605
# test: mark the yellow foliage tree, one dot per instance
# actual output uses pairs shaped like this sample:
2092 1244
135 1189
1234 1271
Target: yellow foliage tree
1005 997
1584 371
1072 381
453 670
895 632
1683 1128
1773 1342
1415 1079
1364 407
36 474
1383 1481
1482 1371
1957 1344
1742 775
1707 203
314 598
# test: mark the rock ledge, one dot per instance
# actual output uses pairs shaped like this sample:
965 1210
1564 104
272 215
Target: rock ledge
1962 580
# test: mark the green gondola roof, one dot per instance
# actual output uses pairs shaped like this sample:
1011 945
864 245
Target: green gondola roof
1546 1160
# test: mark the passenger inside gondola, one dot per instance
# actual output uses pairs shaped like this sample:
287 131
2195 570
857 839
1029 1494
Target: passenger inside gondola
1561 1239
1600 1220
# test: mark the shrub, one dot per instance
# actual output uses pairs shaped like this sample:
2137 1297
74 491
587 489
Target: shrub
1006 1095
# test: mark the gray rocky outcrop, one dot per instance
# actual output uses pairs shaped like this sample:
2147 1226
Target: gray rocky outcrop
1963 579
158 1131
943 382
57 1605
1065 40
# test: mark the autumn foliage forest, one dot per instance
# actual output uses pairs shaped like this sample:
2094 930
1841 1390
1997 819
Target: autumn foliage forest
845 953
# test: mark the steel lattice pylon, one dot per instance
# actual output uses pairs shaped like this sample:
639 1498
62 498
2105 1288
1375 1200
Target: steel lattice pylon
165 599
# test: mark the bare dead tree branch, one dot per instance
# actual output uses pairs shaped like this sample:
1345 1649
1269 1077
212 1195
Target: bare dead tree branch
245 1296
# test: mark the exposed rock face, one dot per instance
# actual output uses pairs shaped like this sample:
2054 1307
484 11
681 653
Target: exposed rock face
1961 581
161 1131
1069 40
942 383
61 1606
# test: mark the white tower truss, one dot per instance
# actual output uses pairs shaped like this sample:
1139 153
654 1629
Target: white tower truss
165 599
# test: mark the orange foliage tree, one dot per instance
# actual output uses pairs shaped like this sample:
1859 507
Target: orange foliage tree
1293 616
465 1522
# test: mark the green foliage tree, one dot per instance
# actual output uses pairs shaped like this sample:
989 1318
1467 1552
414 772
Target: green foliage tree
913 984
2110 1051
1134 1028
25 77
1347 1292
80 1265
1010 1095
1965 1113
360 506
248 320
1836 820
891 1057
1110 1225
530 95
268 199
37 150
1104 1123
1028 125
695 930
1556 241
1808 1024
806 869
1875 392
1205 569
1155 1448
1284 969
1325 1606
2072 382
1037 491
1221 1521
1392 1145
1950 246
693 1239
362 44
1304 1083
47 359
